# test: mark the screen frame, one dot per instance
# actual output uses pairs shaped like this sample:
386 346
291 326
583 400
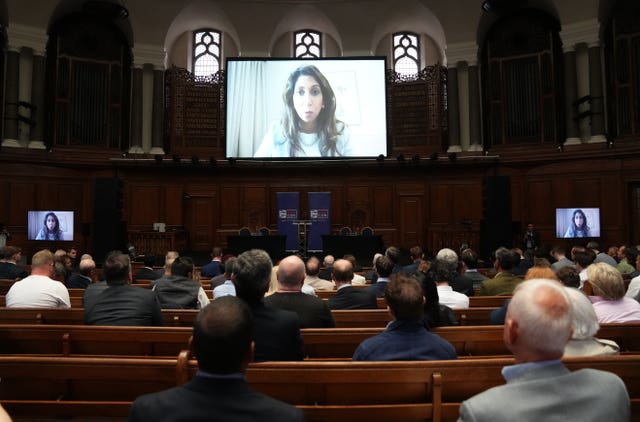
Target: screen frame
563 218
35 219
381 95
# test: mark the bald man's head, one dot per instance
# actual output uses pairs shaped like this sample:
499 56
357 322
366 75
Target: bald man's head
342 271
291 272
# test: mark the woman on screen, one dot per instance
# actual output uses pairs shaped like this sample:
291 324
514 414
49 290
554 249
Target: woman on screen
578 226
309 127
51 228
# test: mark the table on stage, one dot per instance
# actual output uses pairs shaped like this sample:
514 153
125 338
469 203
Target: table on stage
273 245
363 247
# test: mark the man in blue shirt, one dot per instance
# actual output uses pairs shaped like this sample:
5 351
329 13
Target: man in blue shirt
406 337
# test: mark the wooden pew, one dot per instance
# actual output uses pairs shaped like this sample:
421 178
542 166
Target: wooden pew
326 391
73 340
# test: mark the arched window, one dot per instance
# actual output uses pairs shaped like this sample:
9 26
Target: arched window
622 43
406 53
522 88
307 44
206 52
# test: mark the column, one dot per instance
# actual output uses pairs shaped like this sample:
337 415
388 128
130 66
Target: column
36 135
135 136
571 95
475 133
597 95
453 110
157 134
11 100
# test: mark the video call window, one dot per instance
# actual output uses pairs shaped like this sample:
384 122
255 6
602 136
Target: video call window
50 225
577 222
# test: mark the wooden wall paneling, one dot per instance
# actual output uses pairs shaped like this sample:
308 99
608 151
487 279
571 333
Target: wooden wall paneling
382 200
47 195
173 205
200 221
542 214
229 207
146 204
439 204
338 200
23 198
586 191
411 224
7 202
254 206
357 210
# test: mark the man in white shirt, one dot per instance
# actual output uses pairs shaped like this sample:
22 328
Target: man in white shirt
38 290
443 274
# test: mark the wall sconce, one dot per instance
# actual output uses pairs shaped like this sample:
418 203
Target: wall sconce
176 158
158 158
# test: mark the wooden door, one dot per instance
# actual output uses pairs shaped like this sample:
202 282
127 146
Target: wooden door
200 222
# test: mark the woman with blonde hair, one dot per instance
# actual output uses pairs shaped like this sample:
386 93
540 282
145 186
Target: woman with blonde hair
609 299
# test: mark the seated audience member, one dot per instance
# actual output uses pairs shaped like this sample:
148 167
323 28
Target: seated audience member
393 253
222 277
59 272
626 262
435 313
632 255
312 269
227 288
457 281
9 258
406 337
417 256
613 253
585 326
119 303
523 263
39 290
147 272
312 311
327 264
601 256
583 258
370 275
87 268
180 290
347 296
609 300
358 280
505 281
470 266
497 316
214 267
539 387
569 277
558 253
276 331
166 268
222 343
384 268
72 253
442 275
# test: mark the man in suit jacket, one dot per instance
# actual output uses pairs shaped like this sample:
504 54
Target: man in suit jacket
539 387
87 269
504 282
223 346
276 331
120 303
9 269
312 311
147 272
347 296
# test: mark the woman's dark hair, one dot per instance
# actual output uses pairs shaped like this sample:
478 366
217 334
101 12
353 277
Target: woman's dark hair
585 225
328 127
56 232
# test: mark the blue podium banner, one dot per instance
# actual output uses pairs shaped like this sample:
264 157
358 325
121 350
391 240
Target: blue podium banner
320 218
288 212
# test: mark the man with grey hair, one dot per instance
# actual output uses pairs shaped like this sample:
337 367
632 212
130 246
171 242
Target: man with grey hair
327 263
312 311
539 387
276 332
312 269
87 269
458 282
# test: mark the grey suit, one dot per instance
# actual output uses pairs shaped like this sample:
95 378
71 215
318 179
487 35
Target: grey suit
550 394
